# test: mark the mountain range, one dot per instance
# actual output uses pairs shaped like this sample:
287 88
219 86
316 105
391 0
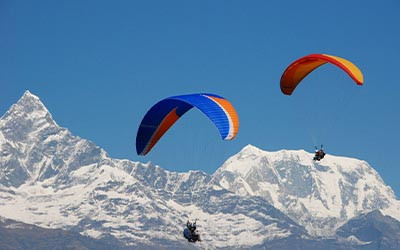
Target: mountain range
54 181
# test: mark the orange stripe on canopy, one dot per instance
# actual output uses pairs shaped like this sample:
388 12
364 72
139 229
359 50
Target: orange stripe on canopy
300 68
168 121
231 114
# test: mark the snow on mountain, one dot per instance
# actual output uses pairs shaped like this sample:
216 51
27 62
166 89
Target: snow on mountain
318 195
53 179
34 147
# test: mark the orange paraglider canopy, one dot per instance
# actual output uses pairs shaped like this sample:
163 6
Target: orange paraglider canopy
300 68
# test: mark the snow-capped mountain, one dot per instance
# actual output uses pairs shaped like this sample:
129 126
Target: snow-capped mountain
53 179
318 195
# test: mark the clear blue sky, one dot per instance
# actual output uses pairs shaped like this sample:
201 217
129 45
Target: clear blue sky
99 66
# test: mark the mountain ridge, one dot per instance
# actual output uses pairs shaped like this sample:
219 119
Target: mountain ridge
337 187
53 179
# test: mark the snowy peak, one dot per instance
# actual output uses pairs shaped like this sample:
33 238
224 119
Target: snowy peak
251 158
252 151
30 106
34 147
248 149
338 188
26 116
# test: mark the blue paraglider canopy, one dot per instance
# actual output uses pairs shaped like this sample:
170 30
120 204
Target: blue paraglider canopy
166 112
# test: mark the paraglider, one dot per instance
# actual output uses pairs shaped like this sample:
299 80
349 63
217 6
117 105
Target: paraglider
165 113
319 154
303 66
300 68
190 232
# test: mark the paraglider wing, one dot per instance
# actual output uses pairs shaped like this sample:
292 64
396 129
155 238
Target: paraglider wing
300 68
166 112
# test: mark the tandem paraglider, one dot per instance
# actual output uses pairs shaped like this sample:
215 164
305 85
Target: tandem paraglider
300 68
190 232
319 154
